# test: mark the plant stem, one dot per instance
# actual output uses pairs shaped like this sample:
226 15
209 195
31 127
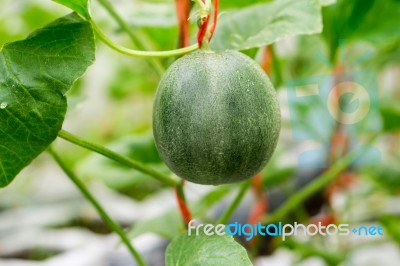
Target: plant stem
118 158
276 66
235 203
319 183
316 185
202 37
137 37
182 204
100 210
261 205
215 20
137 53
183 8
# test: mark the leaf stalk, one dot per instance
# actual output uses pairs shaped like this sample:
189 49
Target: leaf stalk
118 158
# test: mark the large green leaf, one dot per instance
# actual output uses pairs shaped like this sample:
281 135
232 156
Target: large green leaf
264 24
79 6
242 3
203 250
35 74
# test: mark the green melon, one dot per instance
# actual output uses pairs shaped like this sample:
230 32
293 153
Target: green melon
216 117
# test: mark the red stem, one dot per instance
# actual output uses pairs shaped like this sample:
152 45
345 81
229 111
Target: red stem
182 12
266 61
214 25
183 208
202 30
261 205
204 25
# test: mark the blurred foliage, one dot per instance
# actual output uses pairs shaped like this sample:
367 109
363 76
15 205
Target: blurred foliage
126 180
169 224
390 111
366 20
392 225
31 15
309 249
386 175
35 254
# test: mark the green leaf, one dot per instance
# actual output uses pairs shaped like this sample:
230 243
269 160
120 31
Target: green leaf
203 250
383 30
35 74
79 6
263 24
342 20
361 20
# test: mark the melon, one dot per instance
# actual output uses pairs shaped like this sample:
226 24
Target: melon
216 117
